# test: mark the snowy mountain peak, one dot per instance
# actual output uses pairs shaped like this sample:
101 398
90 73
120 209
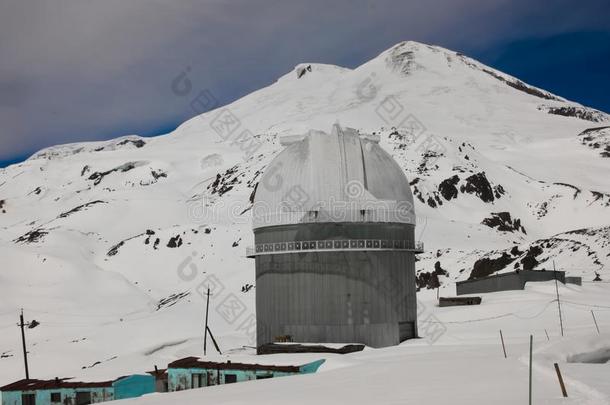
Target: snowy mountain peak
107 240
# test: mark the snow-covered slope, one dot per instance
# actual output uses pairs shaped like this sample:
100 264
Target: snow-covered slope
109 245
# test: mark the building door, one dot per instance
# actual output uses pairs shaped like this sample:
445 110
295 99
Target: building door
28 399
406 330
83 398
197 380
211 379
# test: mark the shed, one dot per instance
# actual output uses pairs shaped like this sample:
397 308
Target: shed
458 301
191 372
62 391
515 280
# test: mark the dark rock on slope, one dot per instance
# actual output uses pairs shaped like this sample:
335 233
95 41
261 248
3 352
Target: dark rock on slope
486 266
97 177
582 113
225 182
479 185
33 236
80 208
519 85
175 242
429 280
597 138
448 188
503 222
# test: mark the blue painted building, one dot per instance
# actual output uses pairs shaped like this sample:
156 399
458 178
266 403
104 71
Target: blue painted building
191 372
64 392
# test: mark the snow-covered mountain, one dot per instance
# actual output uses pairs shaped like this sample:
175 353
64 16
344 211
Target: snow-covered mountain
109 245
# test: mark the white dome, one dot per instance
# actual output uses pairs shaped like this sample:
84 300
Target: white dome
341 177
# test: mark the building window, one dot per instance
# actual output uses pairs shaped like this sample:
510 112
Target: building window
230 378
83 398
264 376
56 397
196 380
28 399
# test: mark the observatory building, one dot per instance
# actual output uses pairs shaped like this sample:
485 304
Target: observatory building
334 225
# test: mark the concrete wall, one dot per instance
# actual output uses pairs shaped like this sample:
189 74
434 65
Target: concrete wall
68 396
343 297
128 387
180 379
506 281
134 386
161 385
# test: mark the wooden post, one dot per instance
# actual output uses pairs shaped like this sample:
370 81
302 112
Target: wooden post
214 341
558 302
531 345
205 332
561 384
502 340
547 335
25 351
595 320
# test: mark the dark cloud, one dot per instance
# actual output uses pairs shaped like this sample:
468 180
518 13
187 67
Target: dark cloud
75 70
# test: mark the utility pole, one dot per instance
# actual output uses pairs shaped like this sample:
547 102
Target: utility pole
205 333
530 390
558 302
595 321
502 340
25 352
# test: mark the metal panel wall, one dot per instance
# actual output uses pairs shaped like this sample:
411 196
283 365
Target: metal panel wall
506 281
343 297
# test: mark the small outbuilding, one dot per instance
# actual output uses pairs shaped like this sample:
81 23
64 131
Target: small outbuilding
458 301
191 372
514 280
65 392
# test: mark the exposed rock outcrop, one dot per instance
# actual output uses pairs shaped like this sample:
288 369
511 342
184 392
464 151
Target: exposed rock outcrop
503 222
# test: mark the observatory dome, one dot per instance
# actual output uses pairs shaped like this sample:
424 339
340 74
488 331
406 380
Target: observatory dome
338 177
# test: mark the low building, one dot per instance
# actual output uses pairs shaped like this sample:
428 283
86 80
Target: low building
160 379
191 372
62 391
458 301
514 280
576 280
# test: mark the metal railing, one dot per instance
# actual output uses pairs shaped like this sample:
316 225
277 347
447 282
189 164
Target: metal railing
333 245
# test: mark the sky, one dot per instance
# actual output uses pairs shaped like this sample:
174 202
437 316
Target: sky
80 70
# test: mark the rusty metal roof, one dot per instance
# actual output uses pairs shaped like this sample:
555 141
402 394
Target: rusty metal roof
195 362
33 384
